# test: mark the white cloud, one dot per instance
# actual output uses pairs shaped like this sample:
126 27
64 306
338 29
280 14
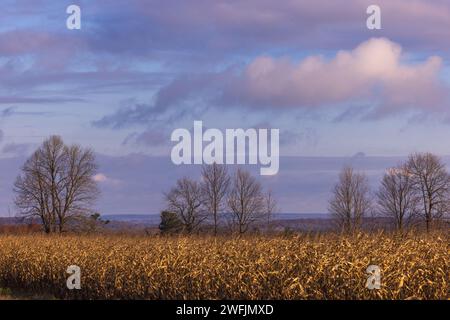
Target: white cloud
373 72
102 178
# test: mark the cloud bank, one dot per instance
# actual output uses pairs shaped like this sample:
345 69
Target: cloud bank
375 73
372 72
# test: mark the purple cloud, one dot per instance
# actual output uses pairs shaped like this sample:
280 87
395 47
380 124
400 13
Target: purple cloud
251 25
202 35
374 73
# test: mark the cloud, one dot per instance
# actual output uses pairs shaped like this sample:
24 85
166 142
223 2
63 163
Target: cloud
115 28
149 137
359 155
201 58
252 25
36 100
103 179
7 112
375 73
113 52
177 35
16 149
100 177
189 92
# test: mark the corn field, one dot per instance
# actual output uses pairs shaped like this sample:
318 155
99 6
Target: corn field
253 267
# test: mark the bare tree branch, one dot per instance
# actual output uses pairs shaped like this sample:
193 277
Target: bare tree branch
215 187
56 184
187 201
245 201
351 200
396 197
431 183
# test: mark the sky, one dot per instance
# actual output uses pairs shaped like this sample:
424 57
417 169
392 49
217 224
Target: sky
136 70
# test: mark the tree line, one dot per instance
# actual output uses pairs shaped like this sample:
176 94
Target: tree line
57 187
413 193
234 202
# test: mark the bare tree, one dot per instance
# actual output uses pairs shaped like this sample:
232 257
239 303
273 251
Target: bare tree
396 197
245 201
351 199
270 207
431 182
187 201
56 184
215 187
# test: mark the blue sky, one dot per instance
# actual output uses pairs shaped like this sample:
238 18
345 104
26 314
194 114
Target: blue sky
139 69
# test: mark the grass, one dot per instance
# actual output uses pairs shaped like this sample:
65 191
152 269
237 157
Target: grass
414 266
8 294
